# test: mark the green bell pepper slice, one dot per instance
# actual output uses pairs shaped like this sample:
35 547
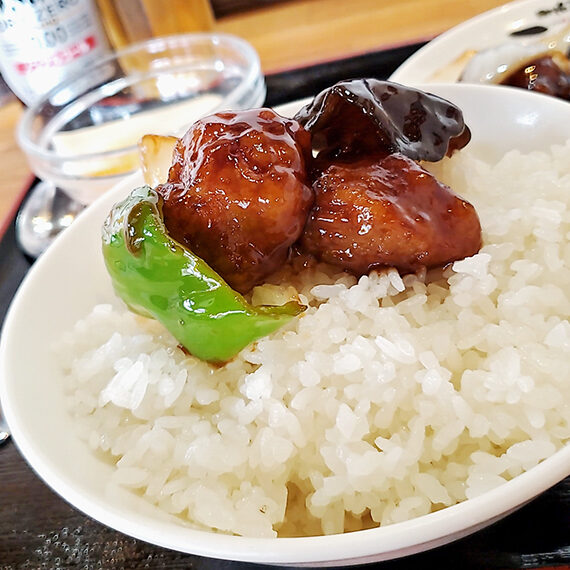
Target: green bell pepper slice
158 277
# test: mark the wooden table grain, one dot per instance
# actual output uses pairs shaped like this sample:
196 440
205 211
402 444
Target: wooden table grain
287 35
13 165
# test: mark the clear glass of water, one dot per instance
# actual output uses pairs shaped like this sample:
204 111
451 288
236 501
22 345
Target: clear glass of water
82 137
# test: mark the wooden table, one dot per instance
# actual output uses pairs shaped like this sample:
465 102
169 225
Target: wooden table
287 35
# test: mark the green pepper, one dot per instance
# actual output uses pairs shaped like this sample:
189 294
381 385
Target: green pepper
158 277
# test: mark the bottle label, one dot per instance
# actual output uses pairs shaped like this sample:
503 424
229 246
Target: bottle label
44 41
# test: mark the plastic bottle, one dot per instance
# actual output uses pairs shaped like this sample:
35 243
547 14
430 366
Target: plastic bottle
44 41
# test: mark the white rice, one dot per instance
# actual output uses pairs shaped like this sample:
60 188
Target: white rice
389 399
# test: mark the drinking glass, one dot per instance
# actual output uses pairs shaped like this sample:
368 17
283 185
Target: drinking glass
81 138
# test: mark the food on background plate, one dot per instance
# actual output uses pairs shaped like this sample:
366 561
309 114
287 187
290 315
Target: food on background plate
392 397
542 66
546 74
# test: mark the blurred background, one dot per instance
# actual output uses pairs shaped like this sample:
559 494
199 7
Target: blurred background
287 35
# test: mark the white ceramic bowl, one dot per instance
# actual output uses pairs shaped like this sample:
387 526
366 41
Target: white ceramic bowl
444 58
70 278
77 136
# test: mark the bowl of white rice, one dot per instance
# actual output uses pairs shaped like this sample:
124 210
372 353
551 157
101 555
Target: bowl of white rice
396 414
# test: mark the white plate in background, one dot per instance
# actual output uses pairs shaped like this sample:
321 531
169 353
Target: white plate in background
443 59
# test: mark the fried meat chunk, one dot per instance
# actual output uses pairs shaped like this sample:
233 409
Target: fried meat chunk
237 193
388 212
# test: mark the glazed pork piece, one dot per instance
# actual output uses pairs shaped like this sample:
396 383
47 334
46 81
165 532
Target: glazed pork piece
541 64
364 117
237 193
374 204
388 212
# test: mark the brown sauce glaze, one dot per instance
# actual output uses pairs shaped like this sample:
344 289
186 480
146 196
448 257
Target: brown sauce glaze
388 212
544 75
239 189
361 117
237 193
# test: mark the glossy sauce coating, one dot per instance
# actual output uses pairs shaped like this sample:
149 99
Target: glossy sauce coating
544 75
388 212
237 193
362 117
